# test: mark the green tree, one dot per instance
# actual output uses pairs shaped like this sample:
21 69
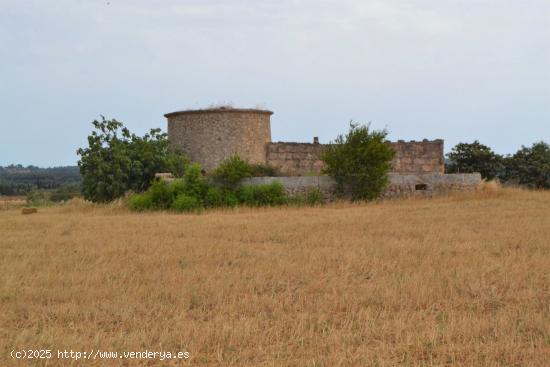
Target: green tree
530 166
475 157
360 162
117 161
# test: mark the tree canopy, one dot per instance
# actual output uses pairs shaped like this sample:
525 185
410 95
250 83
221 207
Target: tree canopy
475 157
117 161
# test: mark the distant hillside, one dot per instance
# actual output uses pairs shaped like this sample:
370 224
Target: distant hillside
19 180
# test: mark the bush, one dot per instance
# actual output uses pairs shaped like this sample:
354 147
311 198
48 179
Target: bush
161 195
231 172
359 162
186 203
177 187
263 170
194 183
140 202
263 195
314 197
216 197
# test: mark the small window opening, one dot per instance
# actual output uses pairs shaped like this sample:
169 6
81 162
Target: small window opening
421 187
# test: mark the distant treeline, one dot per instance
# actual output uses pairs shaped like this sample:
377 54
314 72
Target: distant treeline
20 180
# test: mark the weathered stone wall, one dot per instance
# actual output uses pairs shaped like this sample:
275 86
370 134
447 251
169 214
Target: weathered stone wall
400 185
295 159
419 156
210 136
414 157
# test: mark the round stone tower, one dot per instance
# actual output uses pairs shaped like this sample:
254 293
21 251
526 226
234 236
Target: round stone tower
211 135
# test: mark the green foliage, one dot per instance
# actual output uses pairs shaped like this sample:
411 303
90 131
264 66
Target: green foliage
186 203
359 162
193 193
230 173
194 181
117 161
141 202
216 197
176 162
475 157
530 166
263 170
161 194
184 194
263 195
314 197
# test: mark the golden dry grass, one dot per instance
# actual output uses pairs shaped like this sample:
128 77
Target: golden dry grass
456 281
11 202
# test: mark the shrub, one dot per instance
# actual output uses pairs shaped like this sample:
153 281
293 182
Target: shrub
177 187
263 195
359 162
194 182
230 199
231 172
140 202
263 170
214 197
161 195
186 203
314 197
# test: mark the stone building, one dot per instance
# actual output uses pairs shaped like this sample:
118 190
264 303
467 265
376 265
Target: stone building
211 135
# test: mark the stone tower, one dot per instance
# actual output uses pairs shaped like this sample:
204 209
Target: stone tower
211 135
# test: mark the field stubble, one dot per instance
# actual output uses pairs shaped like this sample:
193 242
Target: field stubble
461 280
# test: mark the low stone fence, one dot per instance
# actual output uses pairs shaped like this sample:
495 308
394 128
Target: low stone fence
400 185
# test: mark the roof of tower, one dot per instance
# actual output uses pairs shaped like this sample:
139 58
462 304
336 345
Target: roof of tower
219 110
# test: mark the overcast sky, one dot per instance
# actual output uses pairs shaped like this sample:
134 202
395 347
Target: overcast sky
454 69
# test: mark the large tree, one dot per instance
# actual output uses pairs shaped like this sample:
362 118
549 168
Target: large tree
117 161
360 161
475 157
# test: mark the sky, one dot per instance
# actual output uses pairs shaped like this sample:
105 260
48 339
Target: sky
459 70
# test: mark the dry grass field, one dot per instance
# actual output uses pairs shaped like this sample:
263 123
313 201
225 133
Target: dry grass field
11 202
456 281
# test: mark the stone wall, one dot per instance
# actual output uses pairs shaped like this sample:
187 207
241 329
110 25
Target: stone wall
419 156
400 185
414 157
295 159
210 136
